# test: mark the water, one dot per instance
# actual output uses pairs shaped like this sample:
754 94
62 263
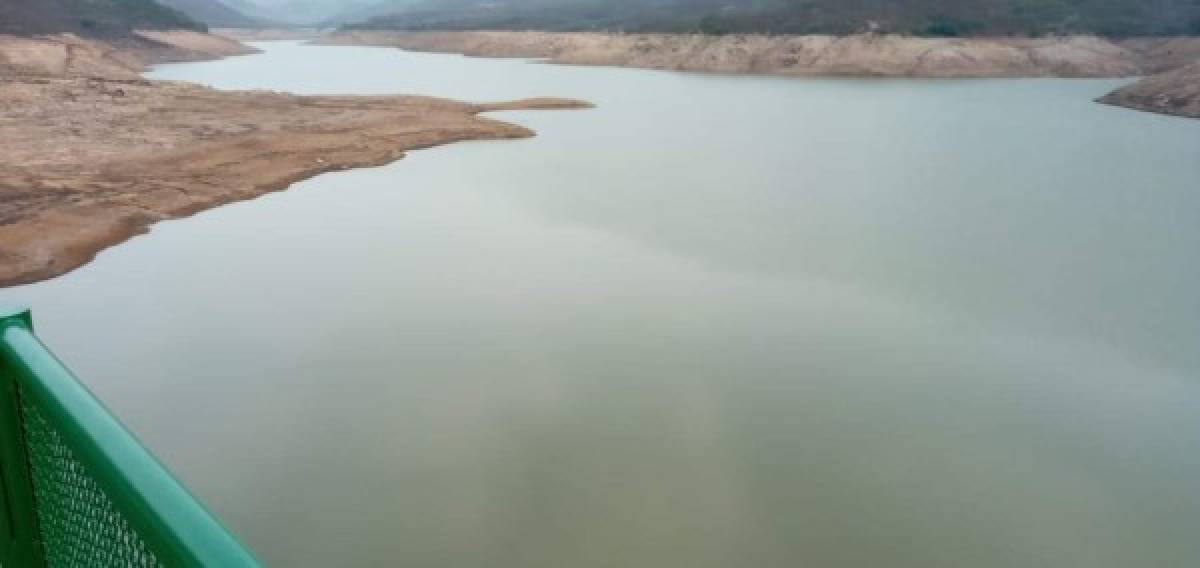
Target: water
717 321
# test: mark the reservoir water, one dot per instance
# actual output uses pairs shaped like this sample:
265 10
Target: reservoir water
717 321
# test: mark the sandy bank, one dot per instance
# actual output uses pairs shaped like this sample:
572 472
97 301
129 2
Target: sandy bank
94 155
268 34
72 56
204 45
859 55
1164 54
1174 92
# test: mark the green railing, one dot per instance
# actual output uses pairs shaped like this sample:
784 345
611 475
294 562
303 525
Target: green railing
77 488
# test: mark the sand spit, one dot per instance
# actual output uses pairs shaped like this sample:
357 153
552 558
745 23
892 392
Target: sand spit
1175 93
94 155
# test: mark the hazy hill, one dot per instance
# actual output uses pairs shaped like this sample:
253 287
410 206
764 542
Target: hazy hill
214 13
89 17
918 17
367 9
311 12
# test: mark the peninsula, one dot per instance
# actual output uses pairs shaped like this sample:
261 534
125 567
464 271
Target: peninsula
94 154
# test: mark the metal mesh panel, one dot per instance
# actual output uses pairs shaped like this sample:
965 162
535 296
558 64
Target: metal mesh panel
78 523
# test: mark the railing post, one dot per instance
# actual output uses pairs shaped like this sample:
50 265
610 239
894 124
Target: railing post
20 544
79 489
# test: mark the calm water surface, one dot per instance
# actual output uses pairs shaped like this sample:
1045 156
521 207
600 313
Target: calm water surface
718 321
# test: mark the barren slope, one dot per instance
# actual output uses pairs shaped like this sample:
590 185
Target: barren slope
867 54
1175 92
73 56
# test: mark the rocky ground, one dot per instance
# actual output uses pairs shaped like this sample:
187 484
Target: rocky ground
1175 92
93 155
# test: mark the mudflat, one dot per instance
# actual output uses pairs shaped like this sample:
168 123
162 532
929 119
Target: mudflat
94 155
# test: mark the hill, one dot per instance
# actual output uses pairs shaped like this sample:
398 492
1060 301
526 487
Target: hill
98 18
214 13
312 12
913 17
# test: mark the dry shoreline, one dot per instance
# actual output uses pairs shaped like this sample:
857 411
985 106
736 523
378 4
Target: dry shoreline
1168 90
1175 93
95 155
67 55
857 55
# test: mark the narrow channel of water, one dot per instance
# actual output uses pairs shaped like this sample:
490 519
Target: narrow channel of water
718 321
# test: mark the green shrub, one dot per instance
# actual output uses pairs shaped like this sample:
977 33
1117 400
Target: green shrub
943 29
712 25
944 26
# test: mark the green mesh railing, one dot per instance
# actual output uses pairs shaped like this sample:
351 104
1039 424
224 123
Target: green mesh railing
76 489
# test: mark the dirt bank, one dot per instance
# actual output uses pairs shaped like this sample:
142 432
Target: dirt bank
859 55
93 155
1174 92
180 43
268 34
1159 55
67 55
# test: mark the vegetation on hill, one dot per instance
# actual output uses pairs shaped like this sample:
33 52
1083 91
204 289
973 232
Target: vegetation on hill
215 13
89 17
312 12
914 17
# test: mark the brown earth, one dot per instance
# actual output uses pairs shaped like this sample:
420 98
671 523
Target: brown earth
93 155
1175 87
856 55
1174 92
1164 54
268 34
72 56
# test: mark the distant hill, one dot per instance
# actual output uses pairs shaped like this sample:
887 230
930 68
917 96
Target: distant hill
915 17
89 17
244 6
214 13
310 12
364 10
